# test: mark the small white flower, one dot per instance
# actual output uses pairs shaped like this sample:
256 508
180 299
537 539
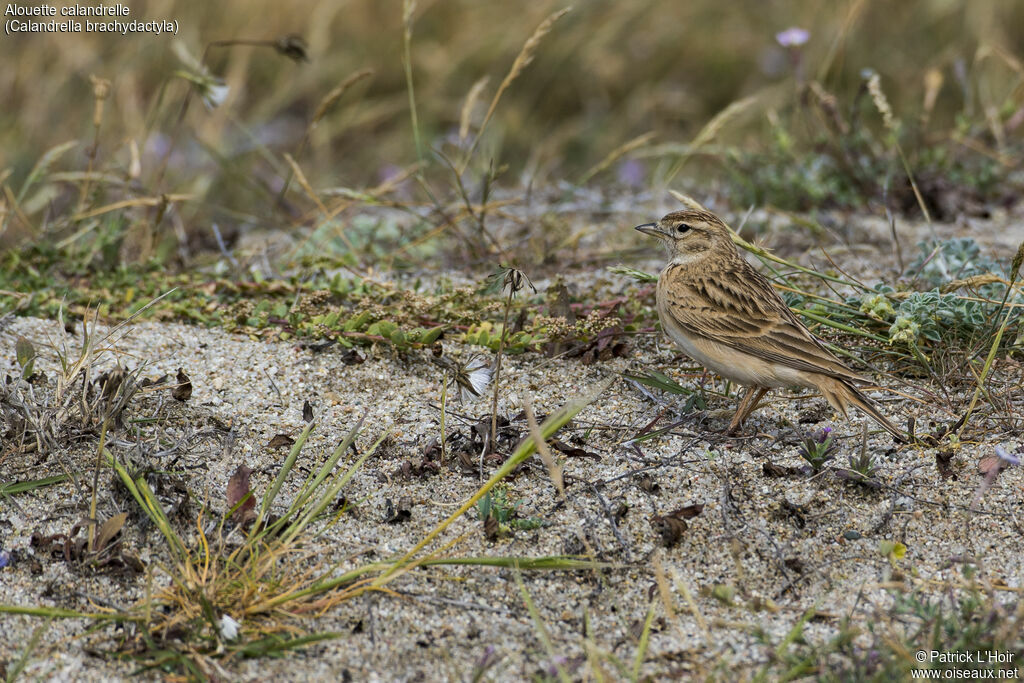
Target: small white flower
228 628
792 37
479 376
214 94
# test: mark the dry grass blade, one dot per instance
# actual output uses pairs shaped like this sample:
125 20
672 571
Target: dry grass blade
665 593
42 166
856 9
691 603
645 641
467 106
13 207
542 631
335 94
408 10
719 120
709 131
127 203
522 61
616 154
310 192
554 469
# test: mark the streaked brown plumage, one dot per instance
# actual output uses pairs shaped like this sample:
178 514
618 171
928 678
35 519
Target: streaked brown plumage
726 316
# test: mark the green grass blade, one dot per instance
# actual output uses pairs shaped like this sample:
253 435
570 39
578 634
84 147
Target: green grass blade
645 640
659 380
22 486
286 469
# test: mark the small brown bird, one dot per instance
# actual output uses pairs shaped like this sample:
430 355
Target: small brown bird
727 316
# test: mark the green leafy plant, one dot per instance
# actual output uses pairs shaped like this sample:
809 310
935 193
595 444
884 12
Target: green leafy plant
500 514
940 262
818 448
25 353
862 469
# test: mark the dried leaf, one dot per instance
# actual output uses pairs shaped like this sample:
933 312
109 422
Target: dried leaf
572 451
352 357
647 484
671 529
183 390
26 355
688 511
281 441
109 530
944 461
307 411
239 492
401 513
491 528
770 469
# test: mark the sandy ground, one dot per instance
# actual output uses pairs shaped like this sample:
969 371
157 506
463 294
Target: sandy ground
779 545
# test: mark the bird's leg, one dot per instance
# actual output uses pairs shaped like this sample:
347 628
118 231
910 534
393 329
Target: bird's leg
754 402
751 397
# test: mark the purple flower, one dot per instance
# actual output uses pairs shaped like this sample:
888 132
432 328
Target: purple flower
792 37
1011 458
488 659
388 172
5 558
632 173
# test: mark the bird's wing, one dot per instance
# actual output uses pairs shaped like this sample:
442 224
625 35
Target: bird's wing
739 309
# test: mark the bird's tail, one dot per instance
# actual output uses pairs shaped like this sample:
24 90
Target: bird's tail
842 394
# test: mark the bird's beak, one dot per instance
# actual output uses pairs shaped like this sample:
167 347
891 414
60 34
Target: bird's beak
650 229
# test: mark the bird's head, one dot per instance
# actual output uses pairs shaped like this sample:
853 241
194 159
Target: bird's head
690 233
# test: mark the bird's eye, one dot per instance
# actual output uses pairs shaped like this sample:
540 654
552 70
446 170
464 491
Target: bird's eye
682 227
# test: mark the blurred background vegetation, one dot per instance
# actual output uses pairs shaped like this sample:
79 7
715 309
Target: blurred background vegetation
797 105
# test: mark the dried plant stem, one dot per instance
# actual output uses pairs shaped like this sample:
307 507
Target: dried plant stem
497 372
554 469
100 91
444 407
408 9
913 183
96 484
